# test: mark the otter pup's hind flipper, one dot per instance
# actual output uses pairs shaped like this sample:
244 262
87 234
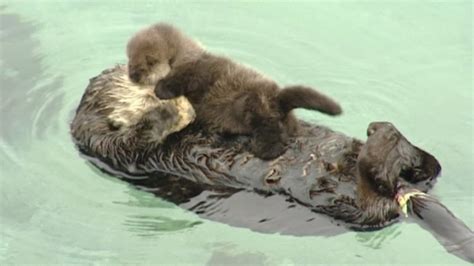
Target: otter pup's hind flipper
305 97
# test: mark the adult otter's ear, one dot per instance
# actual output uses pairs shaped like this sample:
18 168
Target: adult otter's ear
305 97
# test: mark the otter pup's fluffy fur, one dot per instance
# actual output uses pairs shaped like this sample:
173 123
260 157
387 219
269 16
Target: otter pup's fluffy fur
228 97
231 98
154 51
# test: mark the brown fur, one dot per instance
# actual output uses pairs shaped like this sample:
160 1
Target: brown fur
116 116
385 162
137 148
154 51
231 98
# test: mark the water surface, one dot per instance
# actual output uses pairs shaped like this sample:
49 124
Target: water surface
406 62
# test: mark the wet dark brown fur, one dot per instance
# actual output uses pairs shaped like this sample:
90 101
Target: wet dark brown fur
385 163
154 51
231 98
318 169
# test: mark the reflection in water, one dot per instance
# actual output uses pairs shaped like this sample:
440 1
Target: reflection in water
376 239
224 257
30 98
152 225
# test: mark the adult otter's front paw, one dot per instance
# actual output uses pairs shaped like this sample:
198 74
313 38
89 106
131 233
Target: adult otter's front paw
163 93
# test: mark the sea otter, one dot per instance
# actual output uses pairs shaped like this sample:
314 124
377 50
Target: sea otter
322 170
317 169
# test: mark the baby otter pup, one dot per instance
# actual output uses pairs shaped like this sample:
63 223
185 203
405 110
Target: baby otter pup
231 98
156 50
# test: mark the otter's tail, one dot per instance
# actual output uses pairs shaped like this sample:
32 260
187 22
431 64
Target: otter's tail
304 97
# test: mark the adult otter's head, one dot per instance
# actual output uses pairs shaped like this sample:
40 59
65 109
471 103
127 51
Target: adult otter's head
388 156
118 119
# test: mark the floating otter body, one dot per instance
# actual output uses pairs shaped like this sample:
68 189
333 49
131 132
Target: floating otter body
322 170
317 170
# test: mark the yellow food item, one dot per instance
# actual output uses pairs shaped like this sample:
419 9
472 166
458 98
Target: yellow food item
403 199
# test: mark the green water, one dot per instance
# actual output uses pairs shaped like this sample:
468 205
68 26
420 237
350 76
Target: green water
406 62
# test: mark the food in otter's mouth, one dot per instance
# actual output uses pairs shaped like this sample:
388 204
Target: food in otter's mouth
403 198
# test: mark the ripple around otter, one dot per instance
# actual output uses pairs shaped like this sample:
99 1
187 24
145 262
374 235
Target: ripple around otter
409 63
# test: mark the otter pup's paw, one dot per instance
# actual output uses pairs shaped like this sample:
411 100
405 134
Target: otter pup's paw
162 92
268 151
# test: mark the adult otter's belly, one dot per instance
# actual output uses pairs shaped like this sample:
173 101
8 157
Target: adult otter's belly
316 172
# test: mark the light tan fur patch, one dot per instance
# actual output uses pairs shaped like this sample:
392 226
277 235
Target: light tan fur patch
134 100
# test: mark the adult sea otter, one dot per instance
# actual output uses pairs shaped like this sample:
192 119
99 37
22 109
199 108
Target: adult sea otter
150 142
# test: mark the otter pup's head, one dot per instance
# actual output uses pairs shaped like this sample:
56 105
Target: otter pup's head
151 53
388 156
